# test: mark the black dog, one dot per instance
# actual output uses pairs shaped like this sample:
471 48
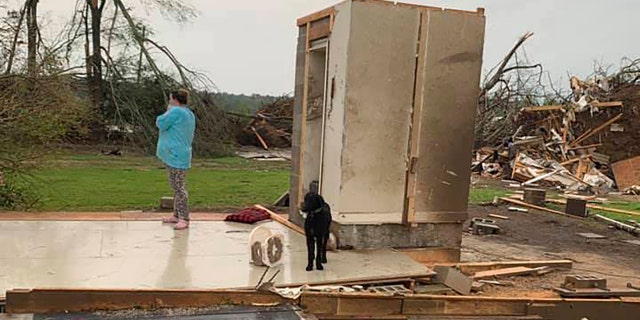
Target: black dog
316 228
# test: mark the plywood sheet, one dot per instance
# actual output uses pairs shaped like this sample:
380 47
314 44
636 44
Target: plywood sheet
627 173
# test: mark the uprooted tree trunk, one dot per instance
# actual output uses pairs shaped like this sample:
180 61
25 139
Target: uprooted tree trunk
14 42
213 132
508 87
32 35
96 8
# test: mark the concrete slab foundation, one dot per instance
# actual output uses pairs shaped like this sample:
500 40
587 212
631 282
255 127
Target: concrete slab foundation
149 255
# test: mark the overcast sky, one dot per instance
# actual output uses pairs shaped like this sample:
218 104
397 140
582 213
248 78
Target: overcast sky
248 46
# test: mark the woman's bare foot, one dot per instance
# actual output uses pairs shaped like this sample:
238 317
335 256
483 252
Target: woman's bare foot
171 219
181 225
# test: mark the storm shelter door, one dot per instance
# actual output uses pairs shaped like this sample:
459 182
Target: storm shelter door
447 81
314 111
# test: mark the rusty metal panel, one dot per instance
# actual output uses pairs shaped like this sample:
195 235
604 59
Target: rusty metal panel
454 46
627 173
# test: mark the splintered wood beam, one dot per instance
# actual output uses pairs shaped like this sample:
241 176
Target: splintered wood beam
596 130
278 218
262 142
473 267
601 208
528 205
544 108
608 104
38 301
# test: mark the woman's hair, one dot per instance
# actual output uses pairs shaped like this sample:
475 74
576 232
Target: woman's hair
181 95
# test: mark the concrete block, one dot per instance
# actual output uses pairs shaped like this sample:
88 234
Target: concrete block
535 196
576 207
584 282
480 228
166 203
447 235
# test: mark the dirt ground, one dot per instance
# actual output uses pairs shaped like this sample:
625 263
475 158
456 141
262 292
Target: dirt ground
545 236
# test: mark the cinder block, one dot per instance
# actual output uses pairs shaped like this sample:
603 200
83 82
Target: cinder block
584 282
166 203
535 196
576 207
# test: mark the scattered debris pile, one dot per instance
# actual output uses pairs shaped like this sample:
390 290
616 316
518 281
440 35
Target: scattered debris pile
270 127
569 146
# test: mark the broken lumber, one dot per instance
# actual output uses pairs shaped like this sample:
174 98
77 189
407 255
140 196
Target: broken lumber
608 104
473 267
276 217
524 204
506 272
597 207
570 161
24 301
541 177
596 130
262 142
622 226
554 107
497 216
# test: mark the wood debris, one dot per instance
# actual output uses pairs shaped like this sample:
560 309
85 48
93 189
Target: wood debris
556 146
270 127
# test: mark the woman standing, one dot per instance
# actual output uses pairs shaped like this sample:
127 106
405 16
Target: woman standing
177 126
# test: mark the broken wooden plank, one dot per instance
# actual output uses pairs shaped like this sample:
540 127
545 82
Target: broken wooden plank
524 204
608 104
597 207
570 161
473 267
542 177
276 217
636 242
554 107
497 216
262 142
590 235
589 146
506 272
38 301
622 226
596 130
458 307
597 292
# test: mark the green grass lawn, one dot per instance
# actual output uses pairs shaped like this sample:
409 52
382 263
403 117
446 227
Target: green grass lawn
89 182
100 183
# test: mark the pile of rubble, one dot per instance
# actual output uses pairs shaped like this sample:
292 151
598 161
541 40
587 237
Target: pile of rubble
558 146
270 127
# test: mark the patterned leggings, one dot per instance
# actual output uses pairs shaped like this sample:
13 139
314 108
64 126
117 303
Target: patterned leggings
180 194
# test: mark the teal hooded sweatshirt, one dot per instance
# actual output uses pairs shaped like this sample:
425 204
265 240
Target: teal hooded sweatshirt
177 127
